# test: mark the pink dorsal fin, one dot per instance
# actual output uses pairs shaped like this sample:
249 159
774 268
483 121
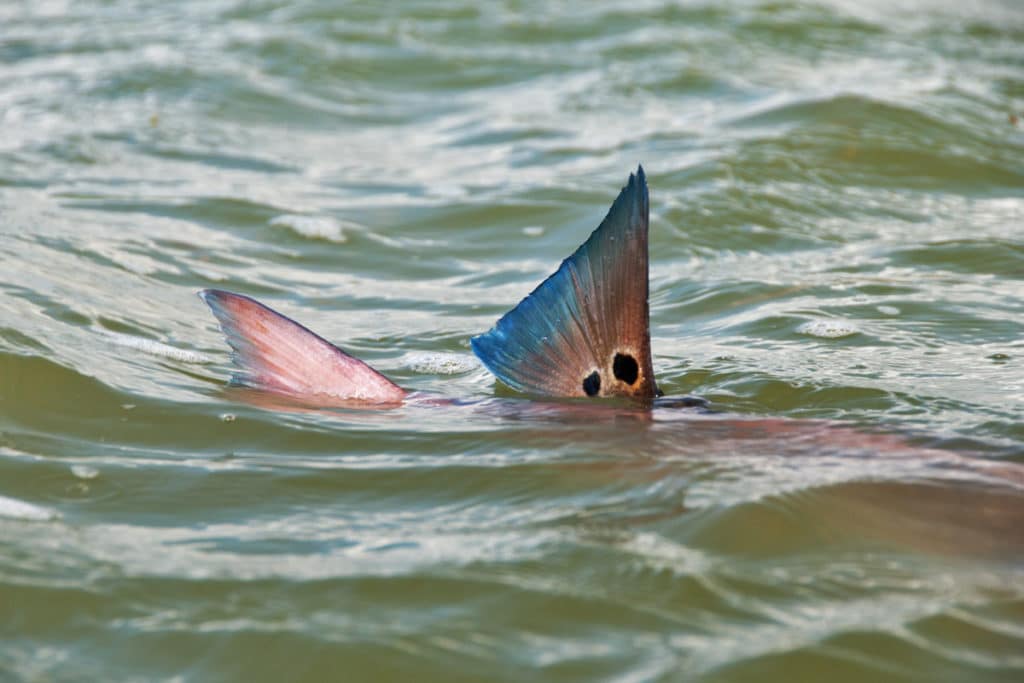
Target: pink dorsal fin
275 353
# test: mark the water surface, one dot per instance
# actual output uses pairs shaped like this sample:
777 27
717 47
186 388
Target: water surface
837 197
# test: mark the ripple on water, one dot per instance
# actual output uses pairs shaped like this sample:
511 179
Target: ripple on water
315 227
12 508
836 209
155 348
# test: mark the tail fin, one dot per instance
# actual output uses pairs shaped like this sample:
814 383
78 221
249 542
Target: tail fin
277 354
584 331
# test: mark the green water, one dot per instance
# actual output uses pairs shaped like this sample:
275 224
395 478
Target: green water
837 234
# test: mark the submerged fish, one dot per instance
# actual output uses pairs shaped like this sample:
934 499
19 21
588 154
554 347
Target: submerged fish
583 332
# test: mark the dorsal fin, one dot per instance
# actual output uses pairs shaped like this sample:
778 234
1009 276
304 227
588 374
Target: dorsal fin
275 353
584 331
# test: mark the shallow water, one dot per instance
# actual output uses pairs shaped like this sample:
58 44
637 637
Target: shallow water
837 196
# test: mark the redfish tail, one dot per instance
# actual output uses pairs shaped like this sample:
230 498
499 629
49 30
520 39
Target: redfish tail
274 353
585 330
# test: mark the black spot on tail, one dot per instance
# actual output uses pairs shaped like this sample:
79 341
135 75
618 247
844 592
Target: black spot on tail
592 384
625 368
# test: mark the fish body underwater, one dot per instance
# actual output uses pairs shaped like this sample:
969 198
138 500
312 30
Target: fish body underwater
582 334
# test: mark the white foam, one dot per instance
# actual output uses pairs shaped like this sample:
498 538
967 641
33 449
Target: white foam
84 471
18 509
155 348
439 363
315 227
828 329
888 310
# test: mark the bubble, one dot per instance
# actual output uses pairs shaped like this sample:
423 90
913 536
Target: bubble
439 363
827 329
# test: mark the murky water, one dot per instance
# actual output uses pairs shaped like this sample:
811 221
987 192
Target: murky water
837 195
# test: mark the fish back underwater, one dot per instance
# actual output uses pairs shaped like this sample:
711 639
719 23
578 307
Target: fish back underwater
583 333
